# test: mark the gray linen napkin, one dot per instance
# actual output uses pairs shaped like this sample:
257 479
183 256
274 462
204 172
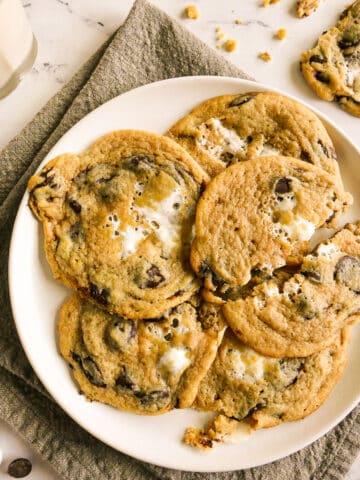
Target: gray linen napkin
148 47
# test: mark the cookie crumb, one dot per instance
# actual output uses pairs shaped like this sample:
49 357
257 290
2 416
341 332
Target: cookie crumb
230 45
192 12
281 33
220 36
219 45
265 56
238 21
265 3
218 29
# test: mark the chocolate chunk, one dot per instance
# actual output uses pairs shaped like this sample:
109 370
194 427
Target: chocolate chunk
206 271
283 185
19 468
90 369
124 381
261 404
322 77
168 336
351 37
317 59
305 307
240 100
119 333
101 295
75 206
47 180
312 276
305 156
137 162
75 231
155 277
347 272
155 396
328 150
175 322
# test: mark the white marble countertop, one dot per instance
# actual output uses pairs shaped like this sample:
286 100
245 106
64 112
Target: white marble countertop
69 31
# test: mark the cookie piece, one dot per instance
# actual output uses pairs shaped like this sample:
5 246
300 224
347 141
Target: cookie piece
117 221
307 7
304 314
251 391
256 216
332 67
230 128
143 367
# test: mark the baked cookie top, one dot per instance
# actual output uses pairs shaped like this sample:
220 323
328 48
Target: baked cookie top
332 67
306 312
144 367
117 221
261 391
230 128
256 216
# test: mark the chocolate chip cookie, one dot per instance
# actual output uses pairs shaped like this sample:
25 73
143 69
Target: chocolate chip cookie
227 129
332 67
144 367
305 313
249 389
118 221
255 217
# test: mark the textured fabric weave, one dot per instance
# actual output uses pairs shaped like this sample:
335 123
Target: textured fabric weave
148 47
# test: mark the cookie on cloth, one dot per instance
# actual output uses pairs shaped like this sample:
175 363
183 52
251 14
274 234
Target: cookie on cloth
230 128
332 67
306 312
118 220
144 367
256 216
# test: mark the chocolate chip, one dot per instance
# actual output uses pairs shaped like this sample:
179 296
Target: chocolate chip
206 271
305 307
168 336
175 322
347 272
119 333
47 180
317 59
75 230
328 150
124 381
312 275
90 369
305 156
351 37
155 277
260 405
19 468
283 185
101 295
155 396
322 77
137 162
240 100
75 206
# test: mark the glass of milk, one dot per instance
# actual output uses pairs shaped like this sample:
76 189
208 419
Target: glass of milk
18 47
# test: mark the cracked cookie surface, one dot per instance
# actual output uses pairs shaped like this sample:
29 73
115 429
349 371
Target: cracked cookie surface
255 217
117 221
144 367
303 315
332 67
230 128
254 391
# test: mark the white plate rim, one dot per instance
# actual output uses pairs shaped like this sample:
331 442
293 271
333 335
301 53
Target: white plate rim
288 449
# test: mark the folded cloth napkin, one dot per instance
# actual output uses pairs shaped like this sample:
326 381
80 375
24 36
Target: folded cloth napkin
148 47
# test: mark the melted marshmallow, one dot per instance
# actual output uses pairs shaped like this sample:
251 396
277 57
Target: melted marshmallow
216 140
175 360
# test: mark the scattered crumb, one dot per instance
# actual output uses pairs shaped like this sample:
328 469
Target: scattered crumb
238 21
218 29
265 3
219 45
220 36
197 438
281 33
192 12
230 45
265 56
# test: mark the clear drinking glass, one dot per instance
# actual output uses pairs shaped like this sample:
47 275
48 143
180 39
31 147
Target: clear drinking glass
18 47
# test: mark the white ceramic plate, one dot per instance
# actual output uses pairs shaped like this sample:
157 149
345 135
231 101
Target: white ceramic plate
36 298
